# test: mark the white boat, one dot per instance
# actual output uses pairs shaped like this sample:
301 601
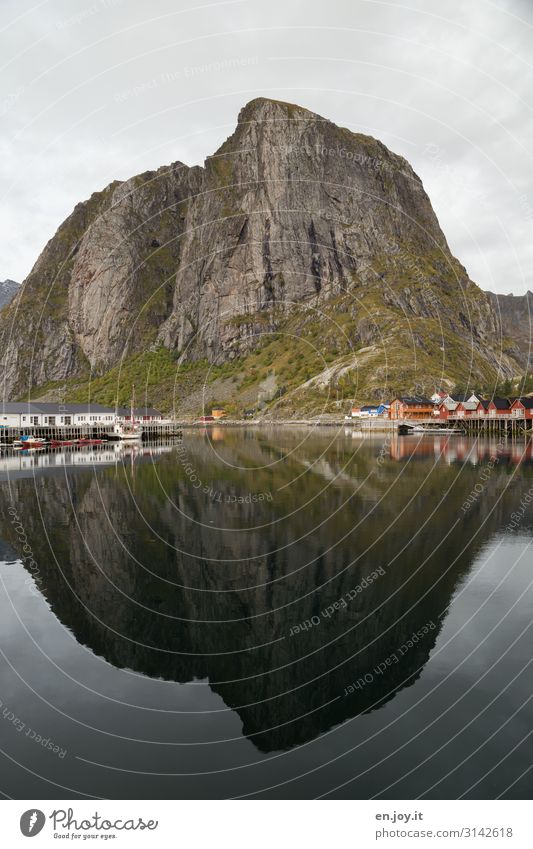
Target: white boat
29 442
129 430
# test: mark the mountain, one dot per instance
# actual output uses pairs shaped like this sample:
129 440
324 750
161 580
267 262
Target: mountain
8 290
515 315
301 262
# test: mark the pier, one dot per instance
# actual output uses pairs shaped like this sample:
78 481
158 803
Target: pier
511 427
97 430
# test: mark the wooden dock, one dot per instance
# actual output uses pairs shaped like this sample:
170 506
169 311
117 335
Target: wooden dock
506 426
64 433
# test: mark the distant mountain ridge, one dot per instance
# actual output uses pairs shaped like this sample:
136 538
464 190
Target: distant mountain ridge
8 290
301 262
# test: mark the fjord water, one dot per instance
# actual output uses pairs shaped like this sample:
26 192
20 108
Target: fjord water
272 612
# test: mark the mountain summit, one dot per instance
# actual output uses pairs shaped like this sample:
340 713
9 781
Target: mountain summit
300 250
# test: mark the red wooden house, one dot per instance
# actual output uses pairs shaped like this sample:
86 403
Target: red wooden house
482 408
522 408
466 409
499 407
411 407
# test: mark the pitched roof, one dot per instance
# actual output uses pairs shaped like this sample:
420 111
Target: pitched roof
500 403
413 400
526 402
138 411
37 407
46 408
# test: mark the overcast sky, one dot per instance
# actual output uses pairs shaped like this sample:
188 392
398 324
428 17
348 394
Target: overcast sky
95 90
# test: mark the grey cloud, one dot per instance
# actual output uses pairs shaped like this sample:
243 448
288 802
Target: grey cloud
93 90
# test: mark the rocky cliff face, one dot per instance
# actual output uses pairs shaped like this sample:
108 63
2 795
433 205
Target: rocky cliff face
515 318
292 219
8 290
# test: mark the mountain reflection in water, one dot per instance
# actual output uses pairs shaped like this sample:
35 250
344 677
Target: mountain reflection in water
305 574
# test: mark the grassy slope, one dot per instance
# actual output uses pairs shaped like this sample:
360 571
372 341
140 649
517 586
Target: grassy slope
313 363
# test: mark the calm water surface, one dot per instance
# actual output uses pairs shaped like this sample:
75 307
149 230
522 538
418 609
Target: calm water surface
268 613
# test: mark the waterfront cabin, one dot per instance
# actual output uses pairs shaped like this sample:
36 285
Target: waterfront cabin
522 408
26 414
450 403
69 414
482 408
466 409
11 413
365 411
442 411
411 407
499 407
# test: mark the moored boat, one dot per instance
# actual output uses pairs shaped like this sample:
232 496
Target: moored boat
27 441
128 431
131 429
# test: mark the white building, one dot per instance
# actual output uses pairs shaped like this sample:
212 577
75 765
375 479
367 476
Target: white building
25 414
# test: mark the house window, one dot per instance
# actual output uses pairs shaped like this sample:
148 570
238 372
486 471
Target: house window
23 418
51 420
34 420
68 420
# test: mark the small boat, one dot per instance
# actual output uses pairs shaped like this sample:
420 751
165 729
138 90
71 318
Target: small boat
29 442
90 441
57 443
